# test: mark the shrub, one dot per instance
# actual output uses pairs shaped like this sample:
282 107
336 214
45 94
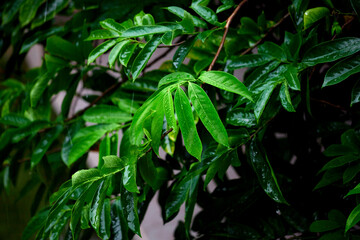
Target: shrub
289 128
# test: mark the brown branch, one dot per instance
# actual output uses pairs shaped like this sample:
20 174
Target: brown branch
107 91
172 45
266 34
329 104
228 21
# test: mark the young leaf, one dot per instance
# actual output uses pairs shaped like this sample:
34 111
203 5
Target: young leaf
101 49
342 70
264 172
176 77
313 15
226 82
40 149
331 51
143 57
188 129
106 114
208 114
252 60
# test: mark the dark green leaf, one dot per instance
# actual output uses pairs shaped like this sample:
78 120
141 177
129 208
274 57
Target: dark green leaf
252 60
285 97
226 82
11 9
54 64
182 52
350 173
38 89
342 70
15 120
118 221
106 114
355 93
38 37
170 115
67 143
353 218
28 10
324 226
105 220
177 197
104 150
188 129
241 117
129 175
63 48
262 101
270 48
35 224
331 51
264 172
356 6
330 176
144 56
190 202
129 202
208 114
181 14
313 15
291 76
126 53
206 13
339 161
355 190
42 147
48 11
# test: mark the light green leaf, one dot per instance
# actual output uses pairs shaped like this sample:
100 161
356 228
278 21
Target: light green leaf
313 15
206 13
342 70
139 31
226 82
170 115
101 49
102 34
331 51
144 56
42 147
186 121
252 60
111 24
181 14
208 114
187 23
106 114
264 172
87 137
115 52
112 165
353 218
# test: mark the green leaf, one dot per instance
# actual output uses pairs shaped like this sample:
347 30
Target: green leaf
87 137
355 190
330 176
126 53
313 15
182 52
114 54
15 120
187 23
112 25
241 117
324 226
252 60
129 202
118 222
67 143
351 172
176 77
285 97
60 224
186 121
208 114
263 100
102 34
170 115
106 114
63 48
226 82
84 176
339 161
292 44
27 130
10 10
112 165
264 172
144 56
42 147
97 203
105 220
38 89
291 76
342 70
331 51
181 14
206 13
28 10
177 197
129 175
35 223
270 48
154 176
48 12
101 49
139 31
156 128
54 64
355 93
353 218
190 202
104 150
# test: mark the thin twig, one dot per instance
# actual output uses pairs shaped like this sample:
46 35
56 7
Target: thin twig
173 45
266 34
261 127
107 91
329 104
228 21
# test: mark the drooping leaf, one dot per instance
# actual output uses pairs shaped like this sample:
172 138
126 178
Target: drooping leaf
208 114
226 82
177 197
342 70
266 176
129 175
115 52
170 115
41 148
190 203
101 49
118 223
331 51
106 114
262 101
313 15
188 129
144 56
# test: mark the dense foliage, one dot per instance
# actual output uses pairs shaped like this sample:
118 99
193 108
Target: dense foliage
289 128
